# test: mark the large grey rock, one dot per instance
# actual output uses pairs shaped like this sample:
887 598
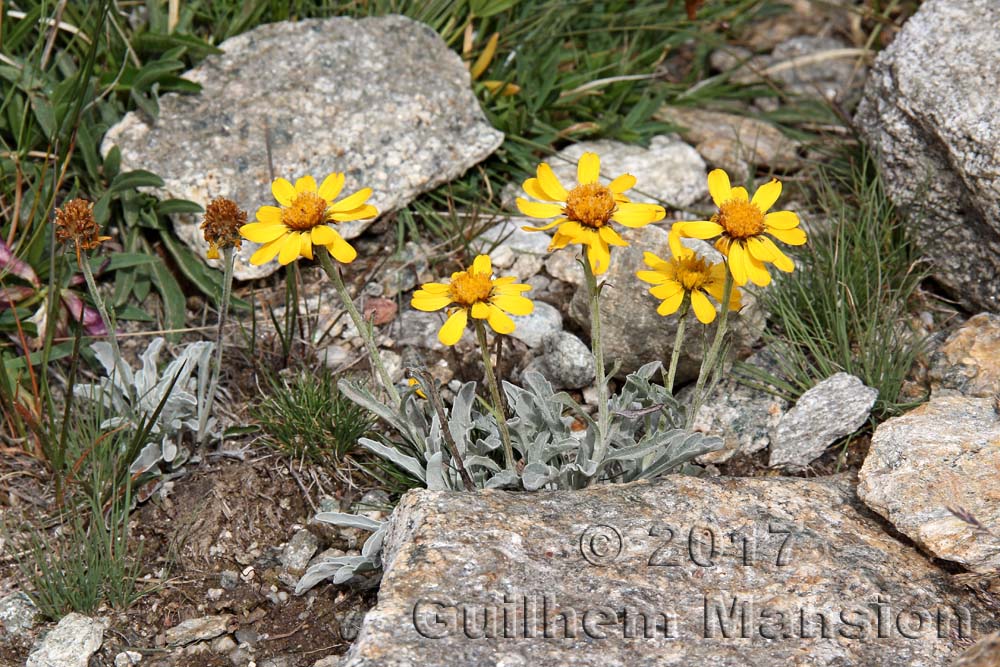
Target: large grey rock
70 644
932 115
566 361
644 560
968 362
632 331
984 653
833 409
17 613
742 415
944 454
383 100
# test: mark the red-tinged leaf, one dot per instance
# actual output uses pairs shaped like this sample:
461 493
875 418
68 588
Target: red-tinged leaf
11 264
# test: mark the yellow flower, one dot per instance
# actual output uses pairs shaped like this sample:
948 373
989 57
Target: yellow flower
291 230
413 382
741 224
687 273
586 211
474 291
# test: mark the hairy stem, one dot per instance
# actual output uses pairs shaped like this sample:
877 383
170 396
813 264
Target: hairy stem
366 332
228 260
710 360
597 347
675 355
498 409
102 309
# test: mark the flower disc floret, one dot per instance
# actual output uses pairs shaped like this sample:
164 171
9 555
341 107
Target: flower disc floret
474 292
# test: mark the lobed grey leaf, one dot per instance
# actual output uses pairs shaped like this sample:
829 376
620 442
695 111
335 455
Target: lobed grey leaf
349 520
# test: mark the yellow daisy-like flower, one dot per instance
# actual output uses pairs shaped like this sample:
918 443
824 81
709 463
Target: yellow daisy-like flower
303 220
687 274
474 291
585 213
741 224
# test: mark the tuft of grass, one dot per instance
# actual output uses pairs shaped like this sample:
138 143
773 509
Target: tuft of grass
845 308
308 417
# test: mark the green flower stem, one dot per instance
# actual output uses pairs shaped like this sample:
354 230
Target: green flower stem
675 355
102 309
710 360
366 332
228 260
498 410
603 416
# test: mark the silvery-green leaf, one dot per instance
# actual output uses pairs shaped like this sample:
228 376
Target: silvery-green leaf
148 457
505 479
169 450
477 461
404 461
349 520
373 545
537 475
435 473
146 378
343 574
322 570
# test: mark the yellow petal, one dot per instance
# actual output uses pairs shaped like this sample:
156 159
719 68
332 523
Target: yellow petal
305 184
509 290
480 310
331 187
638 215
740 194
266 252
622 183
533 188
435 288
767 194
560 240
269 214
667 289
794 236
499 321
674 240
557 221
515 305
485 57
323 235
703 308
599 256
575 232
654 262
306 249
481 265
781 220
262 232
213 251
429 302
342 251
671 303
762 249
719 187
283 191
360 213
757 272
611 237
588 169
290 248
700 229
651 277
534 209
550 183
453 327
739 263
351 202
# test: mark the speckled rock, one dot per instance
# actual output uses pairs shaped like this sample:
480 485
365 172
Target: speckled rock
566 361
726 572
968 362
734 143
984 653
632 331
17 613
945 453
383 100
532 328
299 550
514 251
669 171
70 644
833 409
199 629
932 115
743 416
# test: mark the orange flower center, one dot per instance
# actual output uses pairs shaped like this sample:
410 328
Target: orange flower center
741 219
468 288
692 272
590 204
307 210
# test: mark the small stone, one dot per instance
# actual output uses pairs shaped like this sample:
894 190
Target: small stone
568 361
418 329
383 100
833 409
968 363
590 395
278 661
329 661
944 454
223 644
70 644
198 629
17 613
350 624
393 363
520 253
214 594
229 579
333 356
128 659
564 266
379 311
247 636
532 328
241 657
